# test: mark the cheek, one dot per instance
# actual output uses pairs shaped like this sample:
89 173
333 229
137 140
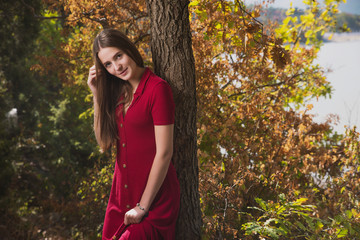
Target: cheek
130 62
110 70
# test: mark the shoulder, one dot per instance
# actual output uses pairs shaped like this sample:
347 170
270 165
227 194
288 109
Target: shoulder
155 81
158 91
155 84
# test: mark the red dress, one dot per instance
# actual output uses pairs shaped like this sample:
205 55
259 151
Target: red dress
152 105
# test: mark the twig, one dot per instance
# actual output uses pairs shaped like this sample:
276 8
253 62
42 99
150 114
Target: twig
39 16
268 85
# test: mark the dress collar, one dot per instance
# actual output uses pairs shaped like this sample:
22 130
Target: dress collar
144 78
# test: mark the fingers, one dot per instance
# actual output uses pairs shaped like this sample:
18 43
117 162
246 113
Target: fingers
92 75
126 221
133 216
91 79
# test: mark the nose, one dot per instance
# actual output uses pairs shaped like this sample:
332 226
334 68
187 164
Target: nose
117 66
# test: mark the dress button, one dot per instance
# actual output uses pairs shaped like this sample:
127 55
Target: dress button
123 144
126 186
121 125
124 165
128 206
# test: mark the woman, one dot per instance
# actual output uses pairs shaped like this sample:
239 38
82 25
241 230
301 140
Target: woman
134 109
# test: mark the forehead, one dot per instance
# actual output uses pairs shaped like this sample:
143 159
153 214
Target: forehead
108 53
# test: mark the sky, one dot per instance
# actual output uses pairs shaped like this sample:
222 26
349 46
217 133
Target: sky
351 6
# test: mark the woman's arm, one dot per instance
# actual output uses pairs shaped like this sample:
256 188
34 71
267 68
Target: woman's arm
96 121
91 83
164 150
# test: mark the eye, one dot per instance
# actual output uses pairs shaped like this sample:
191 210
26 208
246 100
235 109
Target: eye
107 64
119 55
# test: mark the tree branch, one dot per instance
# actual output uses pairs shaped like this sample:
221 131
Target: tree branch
268 85
40 16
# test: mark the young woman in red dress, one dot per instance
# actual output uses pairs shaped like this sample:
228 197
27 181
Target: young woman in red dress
134 109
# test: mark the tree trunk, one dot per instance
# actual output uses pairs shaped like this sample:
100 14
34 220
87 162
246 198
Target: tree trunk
174 61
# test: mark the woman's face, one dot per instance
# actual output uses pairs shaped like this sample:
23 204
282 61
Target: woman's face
119 64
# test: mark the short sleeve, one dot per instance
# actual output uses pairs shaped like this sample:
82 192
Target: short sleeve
163 107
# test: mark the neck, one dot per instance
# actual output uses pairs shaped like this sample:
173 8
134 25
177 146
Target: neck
135 82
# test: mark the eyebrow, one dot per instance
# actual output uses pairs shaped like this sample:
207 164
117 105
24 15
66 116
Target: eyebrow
120 51
113 57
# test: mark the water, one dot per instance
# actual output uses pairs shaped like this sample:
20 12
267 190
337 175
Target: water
343 58
351 6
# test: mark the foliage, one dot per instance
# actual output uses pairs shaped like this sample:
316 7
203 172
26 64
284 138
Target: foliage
344 21
256 140
48 151
351 21
255 136
282 219
315 21
298 221
94 192
18 29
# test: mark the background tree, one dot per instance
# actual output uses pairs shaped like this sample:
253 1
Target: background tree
44 153
254 142
173 60
18 30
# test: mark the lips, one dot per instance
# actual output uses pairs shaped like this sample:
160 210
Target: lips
123 72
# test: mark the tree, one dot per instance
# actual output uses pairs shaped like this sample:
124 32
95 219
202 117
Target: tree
253 140
19 30
173 60
49 148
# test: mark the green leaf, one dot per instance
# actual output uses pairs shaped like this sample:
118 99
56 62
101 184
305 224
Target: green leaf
270 220
193 3
301 226
273 232
290 11
262 203
348 214
256 208
223 167
319 225
251 228
230 24
301 200
341 232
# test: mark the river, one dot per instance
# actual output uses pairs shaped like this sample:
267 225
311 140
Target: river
342 56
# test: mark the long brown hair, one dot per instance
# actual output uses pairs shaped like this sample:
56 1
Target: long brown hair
110 88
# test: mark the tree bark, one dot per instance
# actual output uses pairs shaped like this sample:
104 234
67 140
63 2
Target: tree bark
174 61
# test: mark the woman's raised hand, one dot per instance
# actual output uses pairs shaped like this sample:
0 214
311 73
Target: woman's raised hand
91 80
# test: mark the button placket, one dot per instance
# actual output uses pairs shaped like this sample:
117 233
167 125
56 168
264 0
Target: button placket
123 157
135 98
